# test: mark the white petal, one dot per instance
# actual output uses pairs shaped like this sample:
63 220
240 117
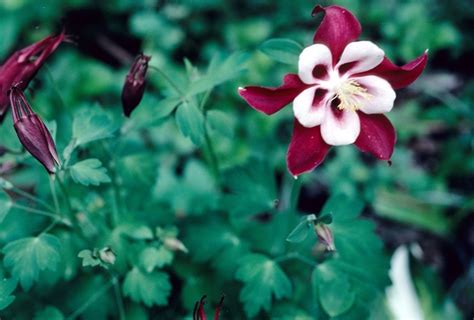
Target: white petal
310 57
364 54
382 95
308 115
341 130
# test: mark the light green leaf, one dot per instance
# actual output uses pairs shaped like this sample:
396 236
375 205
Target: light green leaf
89 172
300 232
49 313
149 288
5 205
151 258
221 122
191 122
7 286
136 231
151 112
262 277
91 124
88 259
334 289
282 50
28 256
220 70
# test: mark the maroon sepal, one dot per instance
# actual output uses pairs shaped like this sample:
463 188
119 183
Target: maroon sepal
23 65
32 132
134 85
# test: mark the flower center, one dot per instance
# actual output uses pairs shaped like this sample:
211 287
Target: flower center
350 93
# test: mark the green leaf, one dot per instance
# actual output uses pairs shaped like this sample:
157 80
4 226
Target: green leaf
5 205
300 232
191 122
221 122
7 286
282 50
151 258
262 277
91 124
151 112
220 70
28 256
88 259
136 231
335 290
359 267
252 190
89 172
138 170
149 288
49 313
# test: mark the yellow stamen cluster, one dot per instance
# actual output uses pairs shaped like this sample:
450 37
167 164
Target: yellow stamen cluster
350 93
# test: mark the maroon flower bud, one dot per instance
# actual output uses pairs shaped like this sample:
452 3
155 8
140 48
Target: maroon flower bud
32 132
200 314
23 65
325 236
134 85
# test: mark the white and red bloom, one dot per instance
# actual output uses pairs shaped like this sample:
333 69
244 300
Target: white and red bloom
339 95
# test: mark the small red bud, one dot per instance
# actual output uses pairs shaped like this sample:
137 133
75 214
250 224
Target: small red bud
32 132
134 86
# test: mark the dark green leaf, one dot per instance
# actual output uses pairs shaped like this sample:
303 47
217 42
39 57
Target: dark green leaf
91 124
7 286
5 205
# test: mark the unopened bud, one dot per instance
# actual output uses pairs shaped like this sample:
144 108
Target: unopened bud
107 255
324 234
175 245
134 87
32 132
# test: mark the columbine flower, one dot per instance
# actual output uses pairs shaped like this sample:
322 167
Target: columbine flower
200 314
32 132
23 65
134 86
339 95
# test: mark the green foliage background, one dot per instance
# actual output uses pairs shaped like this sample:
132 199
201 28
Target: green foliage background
192 192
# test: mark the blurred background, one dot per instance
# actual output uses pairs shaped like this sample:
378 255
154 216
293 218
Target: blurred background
424 201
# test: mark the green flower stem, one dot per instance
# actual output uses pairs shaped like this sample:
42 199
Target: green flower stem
53 193
168 79
65 194
91 300
31 197
212 154
118 298
37 211
289 193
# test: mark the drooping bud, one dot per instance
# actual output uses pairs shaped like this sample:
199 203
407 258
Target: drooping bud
107 255
324 234
134 86
200 314
23 65
175 244
32 132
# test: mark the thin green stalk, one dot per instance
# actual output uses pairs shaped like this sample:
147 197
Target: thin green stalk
289 193
65 196
118 299
35 211
212 154
54 85
54 194
32 198
90 301
168 79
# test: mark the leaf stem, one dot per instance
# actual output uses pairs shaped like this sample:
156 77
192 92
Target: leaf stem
36 211
168 79
31 197
118 299
54 194
90 301
65 195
